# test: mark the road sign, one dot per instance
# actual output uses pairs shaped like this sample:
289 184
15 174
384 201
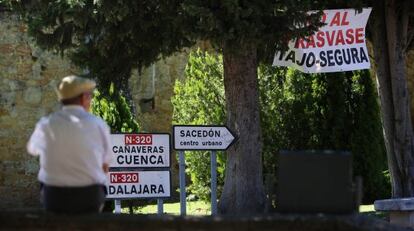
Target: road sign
142 150
188 137
139 184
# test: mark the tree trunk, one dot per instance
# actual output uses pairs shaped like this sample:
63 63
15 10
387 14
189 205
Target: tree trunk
389 35
243 191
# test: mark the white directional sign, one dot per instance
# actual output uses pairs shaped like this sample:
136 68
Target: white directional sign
141 150
139 184
187 137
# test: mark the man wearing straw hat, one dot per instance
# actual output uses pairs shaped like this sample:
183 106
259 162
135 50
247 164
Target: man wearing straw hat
74 150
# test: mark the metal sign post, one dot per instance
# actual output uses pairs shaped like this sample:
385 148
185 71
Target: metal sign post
160 207
213 158
117 206
183 208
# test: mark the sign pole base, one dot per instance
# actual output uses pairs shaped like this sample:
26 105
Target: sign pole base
160 207
117 206
213 183
183 208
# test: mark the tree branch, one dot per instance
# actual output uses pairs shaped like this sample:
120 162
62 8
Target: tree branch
410 40
408 30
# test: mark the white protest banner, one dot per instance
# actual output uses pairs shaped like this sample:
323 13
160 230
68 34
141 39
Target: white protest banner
139 184
142 150
337 46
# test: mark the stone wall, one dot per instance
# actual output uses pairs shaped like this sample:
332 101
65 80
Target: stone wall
27 80
152 90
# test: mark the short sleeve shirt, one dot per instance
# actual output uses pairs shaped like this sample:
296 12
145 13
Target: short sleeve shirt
73 145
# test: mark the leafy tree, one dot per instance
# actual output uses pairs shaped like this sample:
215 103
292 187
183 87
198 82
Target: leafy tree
369 157
122 34
298 111
115 110
392 33
324 111
107 37
245 31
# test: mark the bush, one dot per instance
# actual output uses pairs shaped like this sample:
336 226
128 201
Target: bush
115 110
298 111
367 143
324 111
200 100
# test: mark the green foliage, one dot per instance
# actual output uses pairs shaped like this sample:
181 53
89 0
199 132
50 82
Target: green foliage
200 100
107 37
114 109
325 111
367 142
298 111
111 37
266 24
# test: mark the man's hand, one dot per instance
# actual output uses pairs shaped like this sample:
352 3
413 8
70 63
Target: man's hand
105 167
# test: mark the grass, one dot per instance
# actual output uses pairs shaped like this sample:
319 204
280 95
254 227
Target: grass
370 211
195 208
366 208
200 208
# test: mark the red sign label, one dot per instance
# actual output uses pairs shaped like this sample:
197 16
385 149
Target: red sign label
141 139
123 177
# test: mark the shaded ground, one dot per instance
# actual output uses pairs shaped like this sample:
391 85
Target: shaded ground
39 220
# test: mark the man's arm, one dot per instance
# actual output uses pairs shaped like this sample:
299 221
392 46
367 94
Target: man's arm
107 155
37 142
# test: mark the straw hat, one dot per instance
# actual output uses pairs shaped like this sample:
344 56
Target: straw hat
72 86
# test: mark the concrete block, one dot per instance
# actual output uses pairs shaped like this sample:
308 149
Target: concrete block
401 210
395 204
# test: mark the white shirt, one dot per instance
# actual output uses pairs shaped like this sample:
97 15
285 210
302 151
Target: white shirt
73 145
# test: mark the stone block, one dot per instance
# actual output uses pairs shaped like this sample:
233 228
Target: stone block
19 197
33 95
401 210
11 147
6 49
396 204
3 112
23 50
402 218
31 165
24 70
